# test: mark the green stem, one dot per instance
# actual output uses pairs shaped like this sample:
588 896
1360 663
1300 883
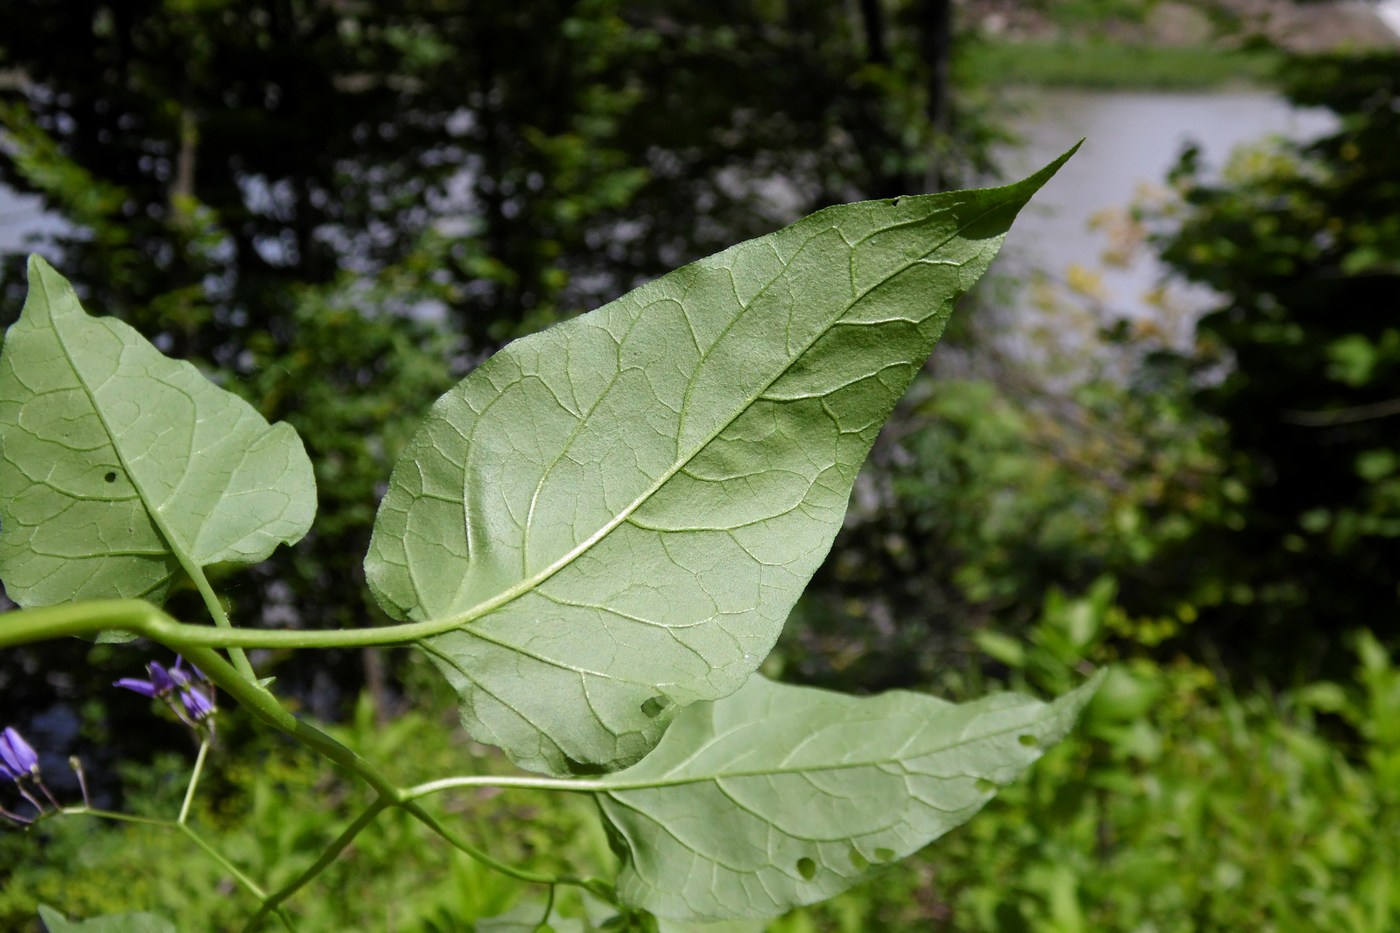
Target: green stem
116 817
548 909
253 887
197 643
221 619
194 782
331 853
139 617
566 785
136 616
249 884
263 705
510 871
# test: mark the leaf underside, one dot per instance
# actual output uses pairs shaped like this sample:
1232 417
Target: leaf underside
55 922
618 513
778 795
120 466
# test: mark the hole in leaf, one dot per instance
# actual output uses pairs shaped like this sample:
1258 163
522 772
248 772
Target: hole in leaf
653 706
111 477
894 202
884 855
1028 740
859 861
806 868
985 786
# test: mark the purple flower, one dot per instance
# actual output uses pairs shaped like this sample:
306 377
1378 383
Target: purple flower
185 682
18 757
197 705
143 687
160 684
183 677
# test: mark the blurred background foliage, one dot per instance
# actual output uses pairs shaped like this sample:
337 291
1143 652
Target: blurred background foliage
339 209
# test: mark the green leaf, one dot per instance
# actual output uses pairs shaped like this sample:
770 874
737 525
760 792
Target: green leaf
670 925
638 496
778 796
525 918
55 922
120 466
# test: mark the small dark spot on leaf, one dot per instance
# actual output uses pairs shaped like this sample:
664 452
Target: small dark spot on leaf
884 855
806 868
1028 740
985 786
111 477
894 202
653 706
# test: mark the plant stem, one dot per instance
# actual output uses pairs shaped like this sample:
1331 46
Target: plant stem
265 706
331 853
548 909
138 617
221 619
194 782
115 816
253 887
485 858
197 643
141 618
249 884
566 785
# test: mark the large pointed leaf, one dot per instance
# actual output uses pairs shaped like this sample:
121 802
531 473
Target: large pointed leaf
616 515
118 466
778 795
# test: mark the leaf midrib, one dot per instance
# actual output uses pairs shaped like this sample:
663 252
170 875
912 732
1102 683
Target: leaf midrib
610 788
430 627
186 561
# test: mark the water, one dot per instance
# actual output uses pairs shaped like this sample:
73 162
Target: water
1132 139
22 216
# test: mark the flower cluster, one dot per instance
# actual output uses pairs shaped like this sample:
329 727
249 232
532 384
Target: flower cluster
188 693
19 763
183 688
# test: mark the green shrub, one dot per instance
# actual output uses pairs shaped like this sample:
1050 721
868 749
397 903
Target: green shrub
1182 803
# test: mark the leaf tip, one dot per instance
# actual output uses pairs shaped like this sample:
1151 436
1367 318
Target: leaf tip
47 287
1078 698
38 266
1033 183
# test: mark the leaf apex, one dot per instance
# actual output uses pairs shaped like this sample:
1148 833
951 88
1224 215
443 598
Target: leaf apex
38 266
47 282
1027 187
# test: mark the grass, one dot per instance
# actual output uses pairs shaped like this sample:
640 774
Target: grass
1113 66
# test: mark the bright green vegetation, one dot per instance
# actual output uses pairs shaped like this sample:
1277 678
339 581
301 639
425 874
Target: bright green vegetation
598 534
273 807
1227 539
1103 65
1182 802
